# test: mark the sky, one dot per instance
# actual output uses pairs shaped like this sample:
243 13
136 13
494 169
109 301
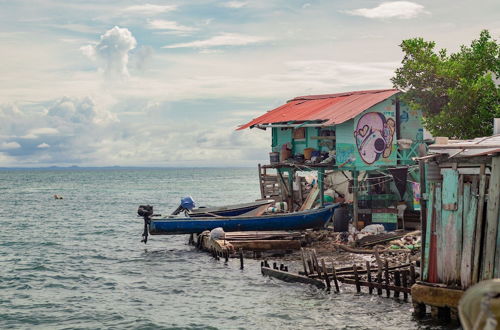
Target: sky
166 83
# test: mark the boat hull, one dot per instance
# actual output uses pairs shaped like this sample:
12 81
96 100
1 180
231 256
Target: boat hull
311 219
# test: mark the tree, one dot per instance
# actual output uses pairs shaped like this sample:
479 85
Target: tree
457 93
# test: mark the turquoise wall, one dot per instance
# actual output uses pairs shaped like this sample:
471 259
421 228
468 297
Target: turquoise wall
365 142
411 123
284 135
369 140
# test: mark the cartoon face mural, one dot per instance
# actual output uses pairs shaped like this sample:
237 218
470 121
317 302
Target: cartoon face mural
374 134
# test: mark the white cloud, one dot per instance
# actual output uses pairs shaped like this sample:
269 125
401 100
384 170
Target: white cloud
225 39
112 51
36 132
43 146
9 145
159 24
149 9
396 9
234 4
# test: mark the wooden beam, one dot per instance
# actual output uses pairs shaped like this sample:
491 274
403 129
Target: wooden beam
290 277
479 225
493 206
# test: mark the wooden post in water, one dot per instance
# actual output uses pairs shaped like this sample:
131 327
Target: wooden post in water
397 282
405 283
241 258
386 266
303 261
412 275
369 274
325 273
334 273
356 278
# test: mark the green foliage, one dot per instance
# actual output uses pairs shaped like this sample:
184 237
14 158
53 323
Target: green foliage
457 93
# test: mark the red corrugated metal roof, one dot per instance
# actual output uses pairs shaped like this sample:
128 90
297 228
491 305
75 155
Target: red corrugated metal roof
330 109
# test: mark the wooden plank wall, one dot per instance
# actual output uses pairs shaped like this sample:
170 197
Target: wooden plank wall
492 213
449 224
455 251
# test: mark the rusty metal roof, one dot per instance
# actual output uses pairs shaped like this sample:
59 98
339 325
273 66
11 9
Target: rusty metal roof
328 109
488 145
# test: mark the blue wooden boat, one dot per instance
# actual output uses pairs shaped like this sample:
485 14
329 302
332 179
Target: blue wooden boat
310 219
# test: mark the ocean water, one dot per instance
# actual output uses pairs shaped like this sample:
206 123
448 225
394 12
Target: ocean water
78 263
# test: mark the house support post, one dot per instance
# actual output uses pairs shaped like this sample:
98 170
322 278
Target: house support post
321 184
355 185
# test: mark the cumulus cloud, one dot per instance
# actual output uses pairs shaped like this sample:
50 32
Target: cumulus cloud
225 39
396 9
9 145
112 51
64 132
149 9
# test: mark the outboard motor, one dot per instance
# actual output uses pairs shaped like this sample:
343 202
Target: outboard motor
145 211
187 204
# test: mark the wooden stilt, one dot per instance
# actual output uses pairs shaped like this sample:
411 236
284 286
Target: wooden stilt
327 279
369 274
241 258
405 283
397 282
335 278
356 278
386 266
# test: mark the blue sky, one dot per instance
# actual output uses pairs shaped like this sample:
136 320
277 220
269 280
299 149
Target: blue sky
165 83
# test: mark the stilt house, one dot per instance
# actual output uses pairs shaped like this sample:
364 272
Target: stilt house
360 143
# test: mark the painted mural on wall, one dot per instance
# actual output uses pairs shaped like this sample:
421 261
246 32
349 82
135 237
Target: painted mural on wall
374 134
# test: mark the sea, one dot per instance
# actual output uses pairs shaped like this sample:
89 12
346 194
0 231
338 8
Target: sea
78 262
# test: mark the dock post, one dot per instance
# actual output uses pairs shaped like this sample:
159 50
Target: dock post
369 275
386 273
241 258
397 283
405 283
356 277
334 273
325 273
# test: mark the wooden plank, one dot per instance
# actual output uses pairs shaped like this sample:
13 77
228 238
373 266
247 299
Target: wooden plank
496 273
290 277
459 231
261 184
492 213
448 237
428 232
479 225
311 198
439 234
469 220
266 245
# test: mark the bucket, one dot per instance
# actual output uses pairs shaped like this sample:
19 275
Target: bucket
308 153
274 157
285 154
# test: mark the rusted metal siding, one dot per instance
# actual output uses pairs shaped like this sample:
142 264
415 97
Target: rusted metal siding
332 109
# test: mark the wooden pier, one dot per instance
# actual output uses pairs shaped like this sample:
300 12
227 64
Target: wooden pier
394 280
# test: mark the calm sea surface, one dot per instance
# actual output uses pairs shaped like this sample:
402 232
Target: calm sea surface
79 263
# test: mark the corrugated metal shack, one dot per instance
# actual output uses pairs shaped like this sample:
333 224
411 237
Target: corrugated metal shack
460 220
353 140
